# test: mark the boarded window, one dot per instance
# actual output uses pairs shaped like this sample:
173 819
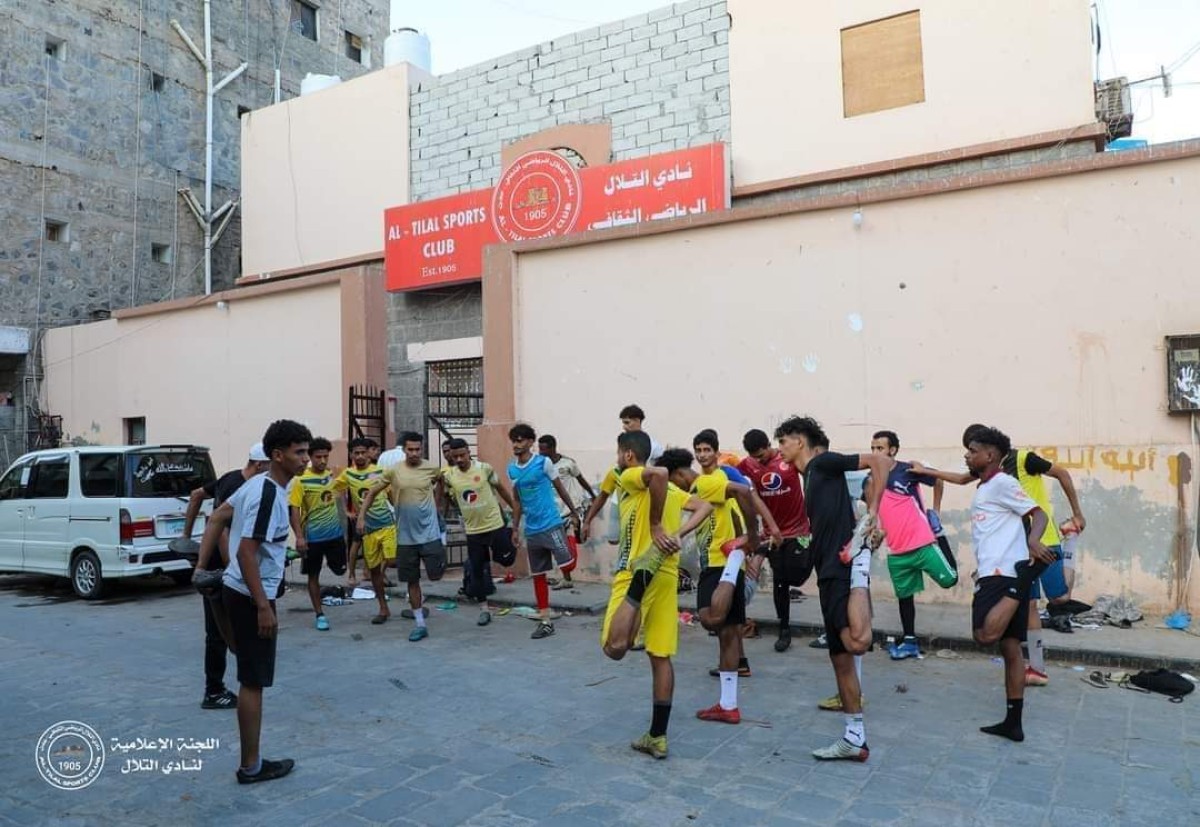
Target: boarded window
882 67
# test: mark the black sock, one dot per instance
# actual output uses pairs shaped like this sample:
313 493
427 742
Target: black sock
783 603
908 616
660 718
944 545
1010 727
743 663
638 585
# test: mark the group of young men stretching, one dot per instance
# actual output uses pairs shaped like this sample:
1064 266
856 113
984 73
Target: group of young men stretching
835 537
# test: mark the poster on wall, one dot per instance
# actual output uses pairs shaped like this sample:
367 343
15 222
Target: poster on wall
542 195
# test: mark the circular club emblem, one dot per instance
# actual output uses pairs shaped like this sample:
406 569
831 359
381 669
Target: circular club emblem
470 497
772 481
538 196
70 755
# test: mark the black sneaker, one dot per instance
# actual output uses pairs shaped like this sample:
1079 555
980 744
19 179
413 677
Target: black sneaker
221 700
269 772
785 640
544 629
819 642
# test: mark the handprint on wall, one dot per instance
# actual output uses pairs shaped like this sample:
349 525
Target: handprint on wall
1188 384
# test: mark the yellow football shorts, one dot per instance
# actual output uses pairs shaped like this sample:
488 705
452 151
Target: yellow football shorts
660 611
379 546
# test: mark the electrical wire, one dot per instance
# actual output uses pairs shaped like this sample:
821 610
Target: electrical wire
1184 58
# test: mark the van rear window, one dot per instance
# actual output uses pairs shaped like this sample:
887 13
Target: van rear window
166 473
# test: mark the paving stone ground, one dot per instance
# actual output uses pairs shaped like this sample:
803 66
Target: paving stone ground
485 727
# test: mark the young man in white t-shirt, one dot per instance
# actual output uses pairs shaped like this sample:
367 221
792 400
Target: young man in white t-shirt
581 494
1009 558
258 521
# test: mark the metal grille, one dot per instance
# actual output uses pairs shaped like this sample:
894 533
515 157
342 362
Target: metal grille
367 414
453 409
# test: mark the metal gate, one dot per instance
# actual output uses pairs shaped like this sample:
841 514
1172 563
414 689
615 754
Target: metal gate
453 409
368 414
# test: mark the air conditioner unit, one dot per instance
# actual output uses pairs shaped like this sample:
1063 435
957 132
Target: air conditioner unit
1183 374
1114 107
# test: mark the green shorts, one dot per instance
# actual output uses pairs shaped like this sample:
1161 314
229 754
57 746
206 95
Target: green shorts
907 569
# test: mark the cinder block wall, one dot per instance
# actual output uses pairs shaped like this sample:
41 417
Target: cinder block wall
661 79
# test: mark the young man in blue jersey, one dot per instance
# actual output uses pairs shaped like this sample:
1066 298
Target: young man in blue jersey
535 483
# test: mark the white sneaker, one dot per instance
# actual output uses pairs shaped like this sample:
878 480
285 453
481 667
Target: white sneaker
842 750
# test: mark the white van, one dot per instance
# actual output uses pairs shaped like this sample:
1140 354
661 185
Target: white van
94 512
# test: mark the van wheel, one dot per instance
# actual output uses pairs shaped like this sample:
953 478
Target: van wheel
183 577
85 575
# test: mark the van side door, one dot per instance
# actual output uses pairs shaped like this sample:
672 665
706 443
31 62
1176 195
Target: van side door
48 514
13 506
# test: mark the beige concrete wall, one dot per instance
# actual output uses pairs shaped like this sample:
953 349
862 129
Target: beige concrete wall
1039 307
206 375
994 69
319 170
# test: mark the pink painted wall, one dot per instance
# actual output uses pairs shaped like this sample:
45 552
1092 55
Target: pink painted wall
1039 307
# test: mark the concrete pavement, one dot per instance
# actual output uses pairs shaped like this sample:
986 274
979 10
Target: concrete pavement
485 727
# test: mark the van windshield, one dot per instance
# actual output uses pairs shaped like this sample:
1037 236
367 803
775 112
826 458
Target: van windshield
167 472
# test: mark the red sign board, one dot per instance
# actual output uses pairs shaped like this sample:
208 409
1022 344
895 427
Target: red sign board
541 194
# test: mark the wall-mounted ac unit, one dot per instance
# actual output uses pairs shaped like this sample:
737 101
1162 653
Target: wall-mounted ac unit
1183 374
1114 107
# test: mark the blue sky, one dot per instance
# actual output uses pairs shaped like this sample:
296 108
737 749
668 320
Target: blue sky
1138 37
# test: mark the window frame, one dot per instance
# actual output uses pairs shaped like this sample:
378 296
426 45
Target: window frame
118 474
297 16
20 487
35 477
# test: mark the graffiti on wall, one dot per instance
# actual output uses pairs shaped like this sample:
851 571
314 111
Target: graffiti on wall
1095 457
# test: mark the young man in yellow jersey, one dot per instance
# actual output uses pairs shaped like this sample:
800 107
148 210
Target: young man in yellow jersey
317 523
721 589
707 448
649 507
374 523
475 488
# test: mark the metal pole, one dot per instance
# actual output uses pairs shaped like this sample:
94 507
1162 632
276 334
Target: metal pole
204 214
208 146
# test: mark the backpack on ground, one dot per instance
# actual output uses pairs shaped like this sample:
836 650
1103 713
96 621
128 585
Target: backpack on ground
1165 682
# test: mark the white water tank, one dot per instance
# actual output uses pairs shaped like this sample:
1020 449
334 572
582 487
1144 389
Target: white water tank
406 45
315 83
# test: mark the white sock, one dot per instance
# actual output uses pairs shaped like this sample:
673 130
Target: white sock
732 566
858 670
419 614
856 733
860 570
1037 654
729 690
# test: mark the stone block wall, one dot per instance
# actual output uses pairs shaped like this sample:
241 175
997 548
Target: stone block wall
102 136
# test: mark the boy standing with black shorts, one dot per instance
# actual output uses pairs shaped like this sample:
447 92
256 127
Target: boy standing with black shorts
778 484
721 592
317 523
842 556
474 487
258 522
1009 561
